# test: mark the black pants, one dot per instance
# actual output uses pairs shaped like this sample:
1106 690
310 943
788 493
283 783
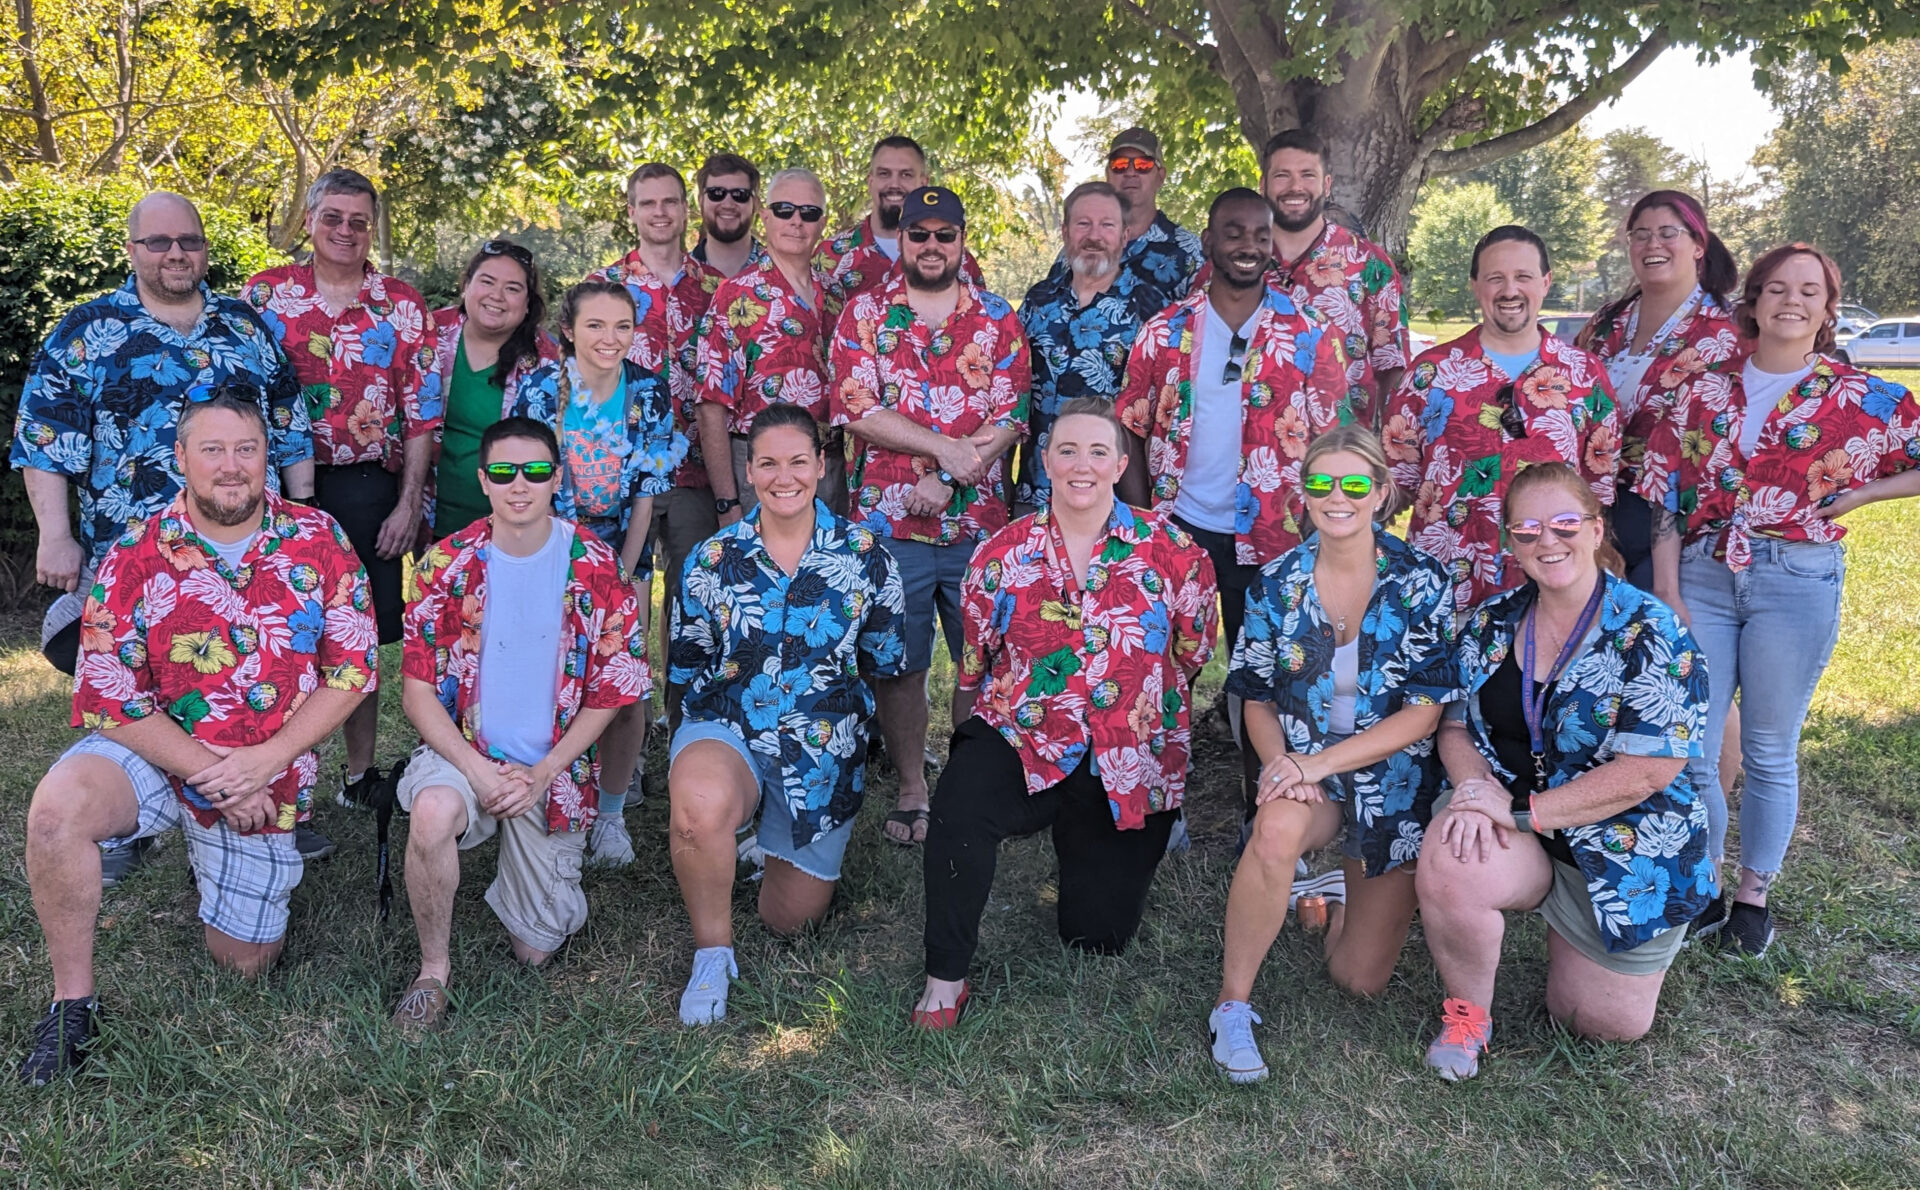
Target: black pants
1632 522
361 496
982 799
1234 579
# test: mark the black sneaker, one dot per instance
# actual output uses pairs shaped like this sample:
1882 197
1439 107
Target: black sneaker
360 794
1710 920
311 844
1748 932
60 1041
117 863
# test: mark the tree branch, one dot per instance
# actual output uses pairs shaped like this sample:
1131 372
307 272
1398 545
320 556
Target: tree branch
1206 53
1570 113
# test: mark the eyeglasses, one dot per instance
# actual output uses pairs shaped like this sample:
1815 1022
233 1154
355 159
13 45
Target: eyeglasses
1512 422
159 244
1667 232
1139 165
508 249
539 471
921 235
1236 361
1565 525
722 193
787 210
1320 485
334 220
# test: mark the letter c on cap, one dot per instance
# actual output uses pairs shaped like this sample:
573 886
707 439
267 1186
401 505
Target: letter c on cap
931 198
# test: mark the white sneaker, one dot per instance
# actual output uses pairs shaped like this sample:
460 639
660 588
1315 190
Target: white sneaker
608 843
637 788
1331 885
1234 1051
705 1000
1179 842
749 851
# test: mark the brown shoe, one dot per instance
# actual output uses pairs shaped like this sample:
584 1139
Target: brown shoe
423 1009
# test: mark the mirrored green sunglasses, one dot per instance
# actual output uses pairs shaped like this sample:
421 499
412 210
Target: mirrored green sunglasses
539 471
1321 484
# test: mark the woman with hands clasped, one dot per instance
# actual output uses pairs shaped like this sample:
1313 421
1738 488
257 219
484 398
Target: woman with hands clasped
1344 661
1586 697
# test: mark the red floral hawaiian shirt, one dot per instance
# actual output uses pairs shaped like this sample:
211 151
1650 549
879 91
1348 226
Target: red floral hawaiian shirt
1353 283
1296 388
1836 430
1702 341
602 659
228 653
1107 664
970 375
367 373
666 327
852 263
1448 452
762 342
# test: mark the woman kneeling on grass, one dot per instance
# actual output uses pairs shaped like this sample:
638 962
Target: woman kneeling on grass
782 621
1344 662
1085 626
1570 798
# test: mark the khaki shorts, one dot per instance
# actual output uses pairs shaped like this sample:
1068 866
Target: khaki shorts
683 518
1569 910
833 485
536 889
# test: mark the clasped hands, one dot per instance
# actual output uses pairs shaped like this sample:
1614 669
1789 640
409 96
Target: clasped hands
1481 818
508 790
1288 776
958 457
239 784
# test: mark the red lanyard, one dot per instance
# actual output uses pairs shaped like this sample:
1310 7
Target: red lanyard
1072 582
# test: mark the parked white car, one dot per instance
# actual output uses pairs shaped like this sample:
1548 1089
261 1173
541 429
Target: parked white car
1888 343
1850 319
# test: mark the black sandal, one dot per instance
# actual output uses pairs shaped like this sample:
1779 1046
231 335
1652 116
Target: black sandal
908 819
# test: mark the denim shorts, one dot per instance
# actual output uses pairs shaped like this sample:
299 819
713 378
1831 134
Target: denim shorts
245 881
819 859
930 577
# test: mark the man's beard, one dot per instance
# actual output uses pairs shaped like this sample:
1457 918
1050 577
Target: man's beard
1092 265
728 235
889 215
227 516
934 284
1316 208
174 291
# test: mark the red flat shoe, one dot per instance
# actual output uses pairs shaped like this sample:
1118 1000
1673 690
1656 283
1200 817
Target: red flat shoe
939 1020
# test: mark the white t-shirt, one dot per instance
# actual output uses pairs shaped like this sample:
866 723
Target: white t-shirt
520 646
1213 451
1346 685
232 554
890 247
1764 390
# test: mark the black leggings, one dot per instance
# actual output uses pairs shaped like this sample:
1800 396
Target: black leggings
982 799
1234 579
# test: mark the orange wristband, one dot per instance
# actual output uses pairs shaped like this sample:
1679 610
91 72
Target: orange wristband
1533 814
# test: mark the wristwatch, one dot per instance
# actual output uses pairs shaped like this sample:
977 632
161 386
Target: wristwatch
1523 820
946 477
723 507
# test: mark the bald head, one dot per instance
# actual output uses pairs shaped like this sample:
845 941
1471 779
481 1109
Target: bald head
174 206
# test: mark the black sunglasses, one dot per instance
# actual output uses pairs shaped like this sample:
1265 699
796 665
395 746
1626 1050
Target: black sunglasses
538 471
1236 360
159 244
235 390
787 210
722 193
921 235
1512 424
508 249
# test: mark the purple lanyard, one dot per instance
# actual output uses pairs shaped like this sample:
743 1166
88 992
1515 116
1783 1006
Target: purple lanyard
1533 706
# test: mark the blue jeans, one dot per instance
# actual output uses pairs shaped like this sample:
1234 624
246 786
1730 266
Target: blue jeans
1769 631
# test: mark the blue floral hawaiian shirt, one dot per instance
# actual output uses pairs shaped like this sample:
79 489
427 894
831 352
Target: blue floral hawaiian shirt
1285 657
1077 351
654 446
786 660
1640 689
1157 267
106 389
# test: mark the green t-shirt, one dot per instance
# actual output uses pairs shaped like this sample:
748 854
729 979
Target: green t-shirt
473 404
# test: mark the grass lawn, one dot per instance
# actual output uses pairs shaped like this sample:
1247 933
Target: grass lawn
1799 1070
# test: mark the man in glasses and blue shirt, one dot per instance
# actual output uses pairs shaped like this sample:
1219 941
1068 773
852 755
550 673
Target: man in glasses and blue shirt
1237 370
103 398
1472 412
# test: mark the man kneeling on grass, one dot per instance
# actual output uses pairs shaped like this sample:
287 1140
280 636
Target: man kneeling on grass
221 641
522 641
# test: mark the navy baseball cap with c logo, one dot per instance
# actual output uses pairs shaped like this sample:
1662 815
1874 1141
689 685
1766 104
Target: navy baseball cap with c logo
932 202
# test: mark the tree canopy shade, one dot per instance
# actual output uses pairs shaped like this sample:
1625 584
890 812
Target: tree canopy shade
1403 90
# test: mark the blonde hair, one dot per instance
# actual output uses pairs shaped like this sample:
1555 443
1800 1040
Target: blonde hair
1564 477
1358 440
